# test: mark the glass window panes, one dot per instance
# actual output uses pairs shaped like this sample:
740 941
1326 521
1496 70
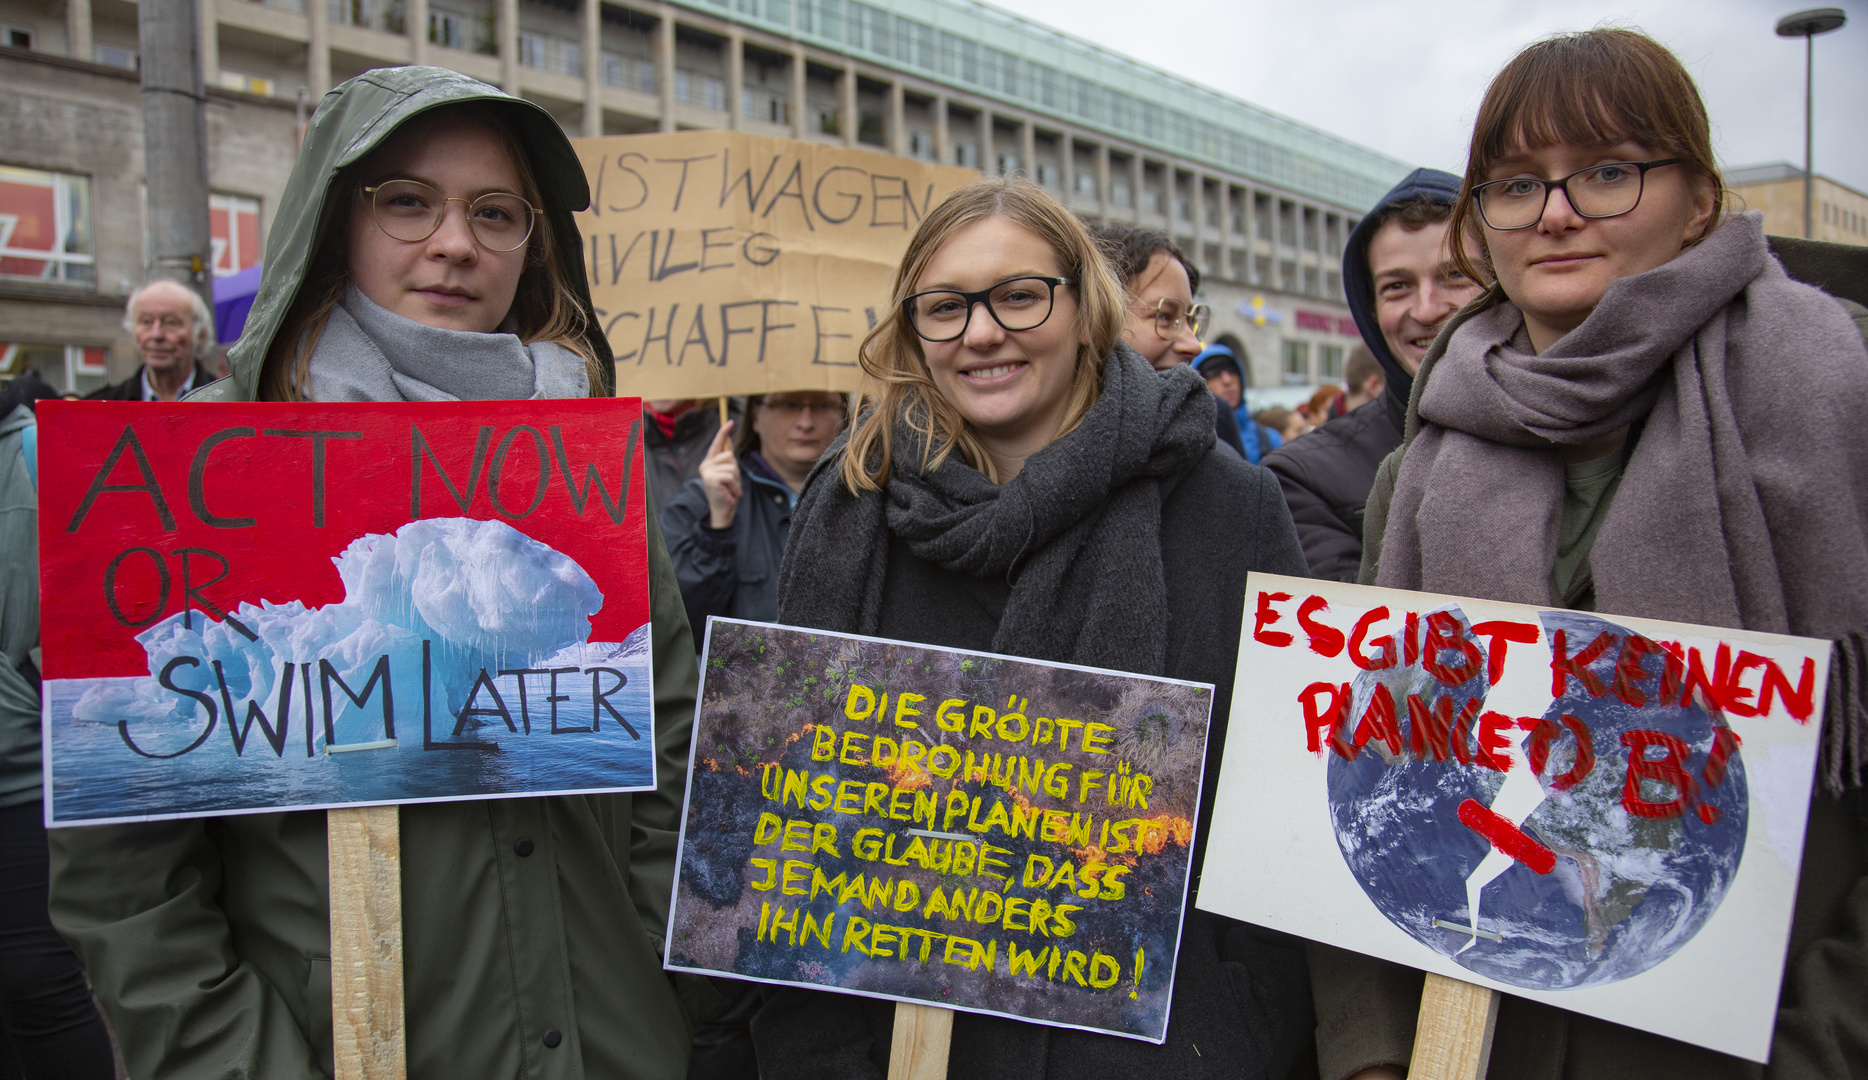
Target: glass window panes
45 226
1297 363
69 369
1330 363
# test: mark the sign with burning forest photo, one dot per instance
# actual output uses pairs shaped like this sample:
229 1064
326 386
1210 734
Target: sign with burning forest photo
940 827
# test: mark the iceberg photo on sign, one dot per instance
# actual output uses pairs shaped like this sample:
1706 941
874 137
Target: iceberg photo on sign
439 658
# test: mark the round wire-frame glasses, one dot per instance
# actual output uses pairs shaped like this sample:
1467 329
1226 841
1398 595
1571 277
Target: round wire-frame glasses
1600 191
411 211
1019 303
1169 314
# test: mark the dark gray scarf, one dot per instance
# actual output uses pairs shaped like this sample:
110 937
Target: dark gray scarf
1742 504
369 353
1077 532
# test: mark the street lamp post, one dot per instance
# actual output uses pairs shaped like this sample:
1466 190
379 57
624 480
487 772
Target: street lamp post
1806 25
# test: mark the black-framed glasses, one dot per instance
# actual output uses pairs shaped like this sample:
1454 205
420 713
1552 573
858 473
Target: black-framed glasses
1170 313
1600 191
1020 303
411 211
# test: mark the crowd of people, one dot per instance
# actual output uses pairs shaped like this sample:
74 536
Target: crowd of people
1586 379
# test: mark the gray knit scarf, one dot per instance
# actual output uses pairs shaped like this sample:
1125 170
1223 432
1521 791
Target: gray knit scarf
1077 532
369 353
1743 502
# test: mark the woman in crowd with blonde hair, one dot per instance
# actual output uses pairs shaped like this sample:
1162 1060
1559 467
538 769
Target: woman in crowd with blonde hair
1018 481
1647 416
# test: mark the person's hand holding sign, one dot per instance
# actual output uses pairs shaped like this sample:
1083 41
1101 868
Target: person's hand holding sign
719 475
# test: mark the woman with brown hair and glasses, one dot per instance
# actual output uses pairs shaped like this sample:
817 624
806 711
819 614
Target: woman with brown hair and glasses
1646 416
424 250
1161 320
1019 481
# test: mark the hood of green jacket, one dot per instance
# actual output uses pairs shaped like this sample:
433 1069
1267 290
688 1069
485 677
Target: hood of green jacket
355 118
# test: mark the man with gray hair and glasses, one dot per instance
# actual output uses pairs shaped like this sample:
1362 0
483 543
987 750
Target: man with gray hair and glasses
174 334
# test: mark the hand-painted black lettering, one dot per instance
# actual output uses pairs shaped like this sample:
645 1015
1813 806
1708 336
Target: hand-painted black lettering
525 705
684 163
166 680
418 447
149 487
428 713
817 347
240 731
318 439
110 587
615 507
380 673
600 697
728 184
191 592
499 464
707 244
817 195
197 481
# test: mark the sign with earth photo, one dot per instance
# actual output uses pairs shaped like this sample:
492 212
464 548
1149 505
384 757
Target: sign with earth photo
1601 813
939 827
271 606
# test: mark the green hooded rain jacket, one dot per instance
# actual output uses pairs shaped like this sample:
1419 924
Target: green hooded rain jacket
532 928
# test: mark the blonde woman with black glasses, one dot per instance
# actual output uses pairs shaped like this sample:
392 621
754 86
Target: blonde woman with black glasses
1018 480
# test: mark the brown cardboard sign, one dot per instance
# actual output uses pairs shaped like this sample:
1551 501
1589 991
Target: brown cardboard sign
723 263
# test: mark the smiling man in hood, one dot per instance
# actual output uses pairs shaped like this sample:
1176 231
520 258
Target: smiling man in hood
1402 288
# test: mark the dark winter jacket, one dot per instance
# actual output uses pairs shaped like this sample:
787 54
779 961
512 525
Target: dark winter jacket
1327 474
730 572
669 463
1238 990
1326 477
131 389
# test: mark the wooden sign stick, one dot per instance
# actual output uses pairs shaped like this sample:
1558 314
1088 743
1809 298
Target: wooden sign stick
918 1049
1453 1037
366 942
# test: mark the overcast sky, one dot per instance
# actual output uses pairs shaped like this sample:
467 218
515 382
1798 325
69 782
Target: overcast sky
1406 78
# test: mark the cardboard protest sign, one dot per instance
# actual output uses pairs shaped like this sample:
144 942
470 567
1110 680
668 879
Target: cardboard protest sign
1601 813
723 263
941 827
253 607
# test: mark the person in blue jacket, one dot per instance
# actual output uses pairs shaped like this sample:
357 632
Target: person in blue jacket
1220 368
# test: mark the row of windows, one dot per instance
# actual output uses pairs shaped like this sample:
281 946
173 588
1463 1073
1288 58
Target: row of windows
1296 370
1846 218
69 369
45 229
912 43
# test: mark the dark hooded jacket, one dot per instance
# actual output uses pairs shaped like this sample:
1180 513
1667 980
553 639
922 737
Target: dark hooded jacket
532 927
1326 475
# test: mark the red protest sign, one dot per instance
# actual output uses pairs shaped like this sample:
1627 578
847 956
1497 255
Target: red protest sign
235 596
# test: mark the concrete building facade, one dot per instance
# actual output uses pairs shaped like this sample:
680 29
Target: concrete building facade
1264 205
1840 212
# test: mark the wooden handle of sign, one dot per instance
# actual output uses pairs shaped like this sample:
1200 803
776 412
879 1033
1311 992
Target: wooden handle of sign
918 1050
1453 1038
366 942
723 412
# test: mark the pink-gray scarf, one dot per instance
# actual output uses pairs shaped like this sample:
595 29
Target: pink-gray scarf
1745 498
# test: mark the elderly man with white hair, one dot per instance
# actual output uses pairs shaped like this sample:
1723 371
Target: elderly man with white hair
174 333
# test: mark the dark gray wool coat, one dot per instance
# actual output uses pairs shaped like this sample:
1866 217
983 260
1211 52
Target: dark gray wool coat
1240 1006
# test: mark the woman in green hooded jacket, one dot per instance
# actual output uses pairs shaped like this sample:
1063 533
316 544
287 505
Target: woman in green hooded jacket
424 250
